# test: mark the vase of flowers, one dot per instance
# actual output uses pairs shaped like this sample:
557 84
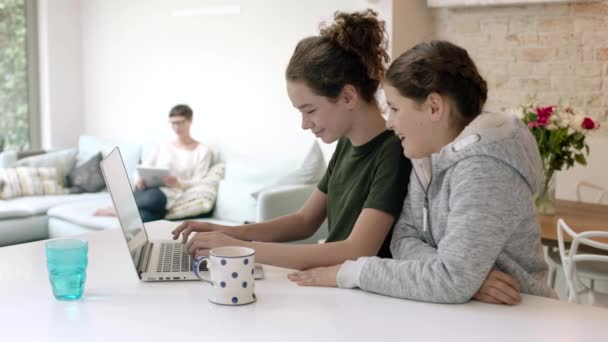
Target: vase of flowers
560 134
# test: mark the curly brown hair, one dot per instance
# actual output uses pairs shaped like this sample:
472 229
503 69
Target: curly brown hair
352 50
441 67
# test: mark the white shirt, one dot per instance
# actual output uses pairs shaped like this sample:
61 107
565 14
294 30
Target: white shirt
188 166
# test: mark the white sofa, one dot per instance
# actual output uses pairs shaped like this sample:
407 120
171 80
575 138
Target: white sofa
251 191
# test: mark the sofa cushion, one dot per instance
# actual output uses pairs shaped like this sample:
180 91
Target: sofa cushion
148 149
81 213
24 229
63 160
30 181
39 205
199 199
261 172
87 177
88 146
8 158
10 184
311 171
7 210
234 202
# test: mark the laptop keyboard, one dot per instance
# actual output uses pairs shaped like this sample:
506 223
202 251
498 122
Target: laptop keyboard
174 258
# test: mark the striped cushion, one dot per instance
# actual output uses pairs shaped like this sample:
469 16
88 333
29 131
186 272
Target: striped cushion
30 181
199 199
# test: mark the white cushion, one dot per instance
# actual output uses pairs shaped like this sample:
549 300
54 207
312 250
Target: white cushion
8 210
81 213
39 205
30 181
58 228
62 160
234 202
25 229
311 171
262 172
148 149
88 146
199 199
8 158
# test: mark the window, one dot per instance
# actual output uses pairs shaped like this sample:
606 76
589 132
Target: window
18 95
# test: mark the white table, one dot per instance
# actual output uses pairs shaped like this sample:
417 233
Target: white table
118 307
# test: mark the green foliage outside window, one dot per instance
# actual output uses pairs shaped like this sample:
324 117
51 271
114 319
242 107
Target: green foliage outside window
14 119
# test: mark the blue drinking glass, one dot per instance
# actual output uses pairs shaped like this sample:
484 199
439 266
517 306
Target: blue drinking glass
66 261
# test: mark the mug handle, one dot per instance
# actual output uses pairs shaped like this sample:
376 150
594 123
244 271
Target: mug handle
195 266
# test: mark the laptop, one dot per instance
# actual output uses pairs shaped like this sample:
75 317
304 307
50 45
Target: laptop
157 260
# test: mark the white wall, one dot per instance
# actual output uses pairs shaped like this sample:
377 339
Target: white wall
60 58
139 60
596 171
114 69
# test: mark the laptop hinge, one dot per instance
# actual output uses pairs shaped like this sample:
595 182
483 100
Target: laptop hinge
144 260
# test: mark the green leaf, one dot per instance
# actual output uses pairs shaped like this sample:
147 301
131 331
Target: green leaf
533 117
578 136
580 159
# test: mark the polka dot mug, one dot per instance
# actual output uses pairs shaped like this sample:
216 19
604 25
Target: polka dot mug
231 271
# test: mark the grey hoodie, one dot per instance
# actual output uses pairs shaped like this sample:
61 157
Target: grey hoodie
469 209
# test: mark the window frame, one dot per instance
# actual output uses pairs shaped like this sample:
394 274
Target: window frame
33 81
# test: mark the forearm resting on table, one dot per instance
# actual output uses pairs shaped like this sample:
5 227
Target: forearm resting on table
286 228
302 257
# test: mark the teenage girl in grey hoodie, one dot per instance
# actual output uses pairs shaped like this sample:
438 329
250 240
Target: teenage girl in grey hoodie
469 207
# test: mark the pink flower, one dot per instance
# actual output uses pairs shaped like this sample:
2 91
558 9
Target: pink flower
588 123
544 111
543 114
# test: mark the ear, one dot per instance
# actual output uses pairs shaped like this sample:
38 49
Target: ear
349 96
436 106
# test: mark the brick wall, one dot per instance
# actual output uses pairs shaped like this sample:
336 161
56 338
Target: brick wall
553 51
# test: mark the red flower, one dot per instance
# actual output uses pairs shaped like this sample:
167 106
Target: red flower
588 123
543 114
544 111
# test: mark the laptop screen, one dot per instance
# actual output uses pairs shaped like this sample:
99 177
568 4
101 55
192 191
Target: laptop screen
120 189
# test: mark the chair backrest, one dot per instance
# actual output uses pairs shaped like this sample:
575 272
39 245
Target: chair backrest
601 194
571 257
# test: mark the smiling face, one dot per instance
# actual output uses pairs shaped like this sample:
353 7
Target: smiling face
414 123
326 119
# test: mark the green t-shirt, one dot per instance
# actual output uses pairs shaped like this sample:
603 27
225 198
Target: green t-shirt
373 175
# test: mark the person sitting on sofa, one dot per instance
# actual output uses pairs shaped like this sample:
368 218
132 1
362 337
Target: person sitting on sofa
187 160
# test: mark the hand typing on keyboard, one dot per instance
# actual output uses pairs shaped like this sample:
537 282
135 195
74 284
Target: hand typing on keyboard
201 243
